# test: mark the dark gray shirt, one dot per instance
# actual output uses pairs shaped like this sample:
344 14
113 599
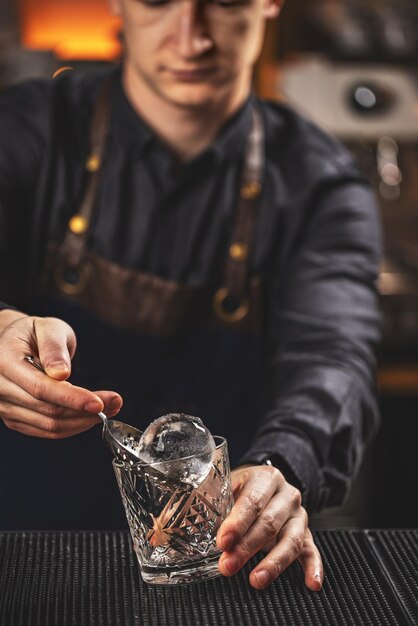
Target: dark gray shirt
317 251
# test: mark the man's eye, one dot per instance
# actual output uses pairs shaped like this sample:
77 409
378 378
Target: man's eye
226 4
155 3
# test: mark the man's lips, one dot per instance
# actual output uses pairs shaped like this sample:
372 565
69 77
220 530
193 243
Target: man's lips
191 74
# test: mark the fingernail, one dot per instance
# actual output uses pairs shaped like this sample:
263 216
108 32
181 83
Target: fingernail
114 404
263 577
318 580
227 541
58 366
231 564
93 406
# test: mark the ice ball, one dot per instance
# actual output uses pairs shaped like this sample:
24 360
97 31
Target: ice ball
171 438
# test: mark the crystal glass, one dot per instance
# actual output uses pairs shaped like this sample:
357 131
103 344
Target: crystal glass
174 524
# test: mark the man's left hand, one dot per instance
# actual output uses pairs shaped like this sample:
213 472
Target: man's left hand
267 515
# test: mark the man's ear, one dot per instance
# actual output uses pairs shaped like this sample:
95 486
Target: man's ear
115 6
272 8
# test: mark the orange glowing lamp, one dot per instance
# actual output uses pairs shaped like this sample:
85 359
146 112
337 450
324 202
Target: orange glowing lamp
72 29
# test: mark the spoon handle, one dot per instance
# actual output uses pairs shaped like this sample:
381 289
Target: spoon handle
32 361
39 367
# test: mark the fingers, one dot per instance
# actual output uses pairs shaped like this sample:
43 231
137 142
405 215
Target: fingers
112 402
285 505
39 404
263 531
15 400
288 548
311 562
57 423
49 428
46 390
42 419
255 490
56 343
268 515
280 557
63 425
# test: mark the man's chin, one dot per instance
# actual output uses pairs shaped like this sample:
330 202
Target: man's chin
191 97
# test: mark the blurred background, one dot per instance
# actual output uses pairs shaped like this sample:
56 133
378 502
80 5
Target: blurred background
352 67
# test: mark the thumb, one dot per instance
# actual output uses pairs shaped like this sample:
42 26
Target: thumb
56 345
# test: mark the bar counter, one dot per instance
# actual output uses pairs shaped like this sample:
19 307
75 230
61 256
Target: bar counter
92 578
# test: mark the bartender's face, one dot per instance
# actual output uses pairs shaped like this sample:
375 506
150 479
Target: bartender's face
193 52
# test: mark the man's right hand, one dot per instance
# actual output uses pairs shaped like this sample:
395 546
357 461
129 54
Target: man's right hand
42 405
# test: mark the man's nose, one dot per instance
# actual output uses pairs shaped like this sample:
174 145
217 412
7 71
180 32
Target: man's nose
193 37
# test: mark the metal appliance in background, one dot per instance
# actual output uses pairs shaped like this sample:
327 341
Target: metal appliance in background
363 30
373 109
352 66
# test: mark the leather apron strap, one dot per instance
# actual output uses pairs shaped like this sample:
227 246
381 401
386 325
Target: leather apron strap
231 302
70 274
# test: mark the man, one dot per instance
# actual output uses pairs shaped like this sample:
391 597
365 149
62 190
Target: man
128 207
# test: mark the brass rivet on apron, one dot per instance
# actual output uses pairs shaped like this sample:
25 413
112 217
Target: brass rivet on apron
219 301
239 251
250 190
78 224
93 163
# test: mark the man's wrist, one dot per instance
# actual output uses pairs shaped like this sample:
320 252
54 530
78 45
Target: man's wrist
284 467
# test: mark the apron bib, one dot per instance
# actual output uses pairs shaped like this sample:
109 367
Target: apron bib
163 346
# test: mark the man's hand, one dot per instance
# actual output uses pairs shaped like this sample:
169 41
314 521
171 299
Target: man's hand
267 515
42 405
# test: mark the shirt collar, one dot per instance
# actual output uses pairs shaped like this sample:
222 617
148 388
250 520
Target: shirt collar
128 125
232 136
133 128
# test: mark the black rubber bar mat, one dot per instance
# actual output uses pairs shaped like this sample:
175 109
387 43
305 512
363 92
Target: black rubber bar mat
89 578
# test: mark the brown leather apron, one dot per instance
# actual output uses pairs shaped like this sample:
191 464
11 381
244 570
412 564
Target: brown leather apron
163 346
139 301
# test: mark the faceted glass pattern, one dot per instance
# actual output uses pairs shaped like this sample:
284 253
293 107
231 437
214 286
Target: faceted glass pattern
174 524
